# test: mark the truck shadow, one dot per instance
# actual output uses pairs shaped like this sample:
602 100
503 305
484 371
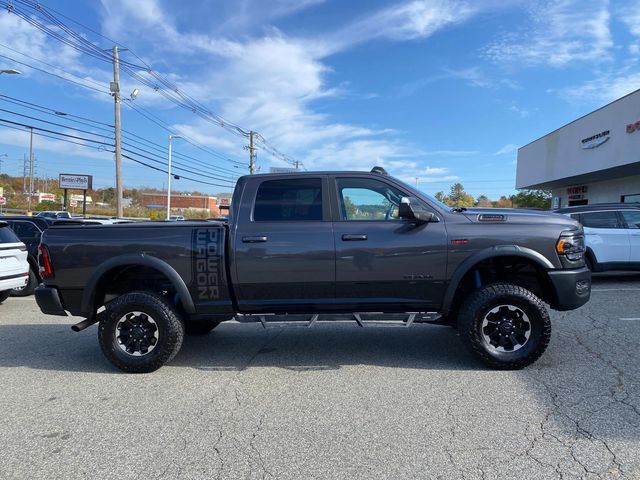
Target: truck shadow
238 347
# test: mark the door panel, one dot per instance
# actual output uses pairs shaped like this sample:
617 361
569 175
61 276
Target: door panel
383 261
285 256
605 236
632 223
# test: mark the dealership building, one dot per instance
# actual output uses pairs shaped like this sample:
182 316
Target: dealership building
594 159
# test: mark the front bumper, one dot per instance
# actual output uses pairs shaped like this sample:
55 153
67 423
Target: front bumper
49 302
572 287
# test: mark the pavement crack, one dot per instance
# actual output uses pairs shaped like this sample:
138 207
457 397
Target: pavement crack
256 450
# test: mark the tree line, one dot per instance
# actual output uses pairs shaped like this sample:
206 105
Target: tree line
457 197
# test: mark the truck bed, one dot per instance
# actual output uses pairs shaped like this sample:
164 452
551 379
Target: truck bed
188 252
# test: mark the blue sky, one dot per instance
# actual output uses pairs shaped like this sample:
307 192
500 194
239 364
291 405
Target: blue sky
441 90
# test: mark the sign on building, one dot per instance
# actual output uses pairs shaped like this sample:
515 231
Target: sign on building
75 182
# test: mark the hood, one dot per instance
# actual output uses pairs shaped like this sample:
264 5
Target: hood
516 215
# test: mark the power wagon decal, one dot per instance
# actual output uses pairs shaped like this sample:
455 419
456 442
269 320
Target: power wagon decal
208 274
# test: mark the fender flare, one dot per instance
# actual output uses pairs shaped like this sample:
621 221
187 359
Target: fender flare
491 252
88 296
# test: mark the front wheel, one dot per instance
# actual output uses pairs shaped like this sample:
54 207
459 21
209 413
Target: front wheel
505 325
140 331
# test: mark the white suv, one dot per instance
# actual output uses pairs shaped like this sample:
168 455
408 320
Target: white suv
14 267
612 235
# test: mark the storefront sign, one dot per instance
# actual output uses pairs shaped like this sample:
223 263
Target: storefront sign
77 182
595 140
633 127
576 193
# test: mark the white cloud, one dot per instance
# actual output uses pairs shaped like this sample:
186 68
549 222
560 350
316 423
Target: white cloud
405 21
269 83
508 149
521 112
559 33
604 88
452 153
435 170
630 15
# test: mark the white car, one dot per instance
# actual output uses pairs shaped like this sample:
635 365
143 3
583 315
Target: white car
612 235
14 267
54 214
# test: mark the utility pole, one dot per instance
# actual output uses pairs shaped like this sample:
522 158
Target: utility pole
252 154
30 168
24 174
115 91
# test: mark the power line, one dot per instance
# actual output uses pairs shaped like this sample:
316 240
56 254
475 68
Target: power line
157 82
73 139
100 126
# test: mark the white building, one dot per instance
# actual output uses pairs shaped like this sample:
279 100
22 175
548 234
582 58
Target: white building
594 159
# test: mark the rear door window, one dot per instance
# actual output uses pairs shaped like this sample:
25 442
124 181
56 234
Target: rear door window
25 229
631 218
289 200
607 219
7 235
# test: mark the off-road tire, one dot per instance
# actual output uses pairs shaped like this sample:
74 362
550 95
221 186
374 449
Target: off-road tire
170 329
199 327
480 303
4 295
29 288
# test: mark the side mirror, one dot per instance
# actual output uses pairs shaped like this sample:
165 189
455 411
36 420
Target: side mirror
410 208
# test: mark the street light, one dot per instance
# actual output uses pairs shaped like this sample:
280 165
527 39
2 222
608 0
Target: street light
10 71
171 137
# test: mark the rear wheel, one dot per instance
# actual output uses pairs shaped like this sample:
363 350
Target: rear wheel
29 288
199 327
140 331
4 295
505 325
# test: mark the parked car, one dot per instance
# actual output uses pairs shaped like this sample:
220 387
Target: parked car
54 214
29 231
14 268
176 218
612 234
319 243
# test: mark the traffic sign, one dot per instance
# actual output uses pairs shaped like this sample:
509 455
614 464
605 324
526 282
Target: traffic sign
73 203
3 200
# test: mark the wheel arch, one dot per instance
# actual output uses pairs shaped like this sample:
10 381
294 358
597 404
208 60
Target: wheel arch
134 260
496 252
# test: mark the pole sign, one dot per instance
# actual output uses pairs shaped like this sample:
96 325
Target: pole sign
75 182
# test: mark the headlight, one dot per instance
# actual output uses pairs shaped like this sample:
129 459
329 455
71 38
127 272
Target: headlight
571 245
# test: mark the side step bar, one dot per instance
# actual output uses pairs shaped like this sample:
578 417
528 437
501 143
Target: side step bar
362 319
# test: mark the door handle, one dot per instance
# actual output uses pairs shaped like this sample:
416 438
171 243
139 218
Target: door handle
354 237
257 239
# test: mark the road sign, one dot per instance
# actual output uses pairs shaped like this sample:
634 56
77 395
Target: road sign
73 203
3 200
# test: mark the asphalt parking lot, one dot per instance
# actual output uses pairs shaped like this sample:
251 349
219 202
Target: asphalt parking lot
335 401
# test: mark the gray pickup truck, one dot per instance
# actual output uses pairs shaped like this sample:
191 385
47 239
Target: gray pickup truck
323 244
